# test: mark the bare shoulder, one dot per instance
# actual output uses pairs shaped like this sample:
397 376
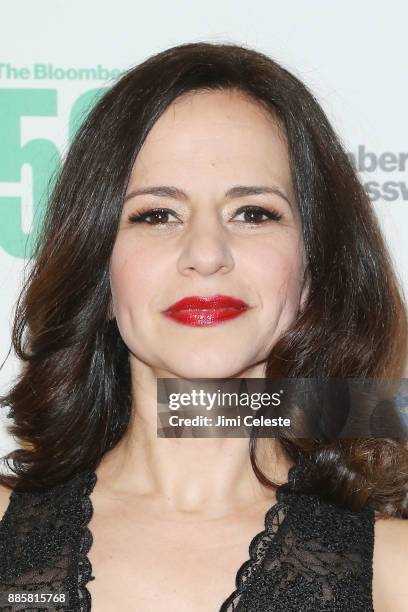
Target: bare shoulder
5 493
390 585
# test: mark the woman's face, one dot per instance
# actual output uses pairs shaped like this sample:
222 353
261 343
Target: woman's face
246 245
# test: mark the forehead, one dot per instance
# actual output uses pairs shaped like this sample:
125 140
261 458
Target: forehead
214 135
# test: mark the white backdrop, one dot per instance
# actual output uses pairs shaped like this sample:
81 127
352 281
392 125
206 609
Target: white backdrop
351 54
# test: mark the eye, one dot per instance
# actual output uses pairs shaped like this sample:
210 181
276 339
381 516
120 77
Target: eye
254 214
159 215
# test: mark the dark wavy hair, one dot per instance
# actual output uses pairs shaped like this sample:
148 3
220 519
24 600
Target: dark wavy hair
71 402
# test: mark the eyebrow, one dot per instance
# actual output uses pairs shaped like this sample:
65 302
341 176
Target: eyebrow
238 191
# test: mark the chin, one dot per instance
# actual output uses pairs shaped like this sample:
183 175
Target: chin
209 368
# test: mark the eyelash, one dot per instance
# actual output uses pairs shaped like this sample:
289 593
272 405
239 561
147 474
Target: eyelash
140 217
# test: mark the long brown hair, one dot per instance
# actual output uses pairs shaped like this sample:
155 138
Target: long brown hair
71 402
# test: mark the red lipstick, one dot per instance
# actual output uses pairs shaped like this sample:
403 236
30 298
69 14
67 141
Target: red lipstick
200 311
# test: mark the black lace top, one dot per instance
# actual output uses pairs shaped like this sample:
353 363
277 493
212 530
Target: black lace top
312 556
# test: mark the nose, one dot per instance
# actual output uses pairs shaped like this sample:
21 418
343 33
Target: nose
205 247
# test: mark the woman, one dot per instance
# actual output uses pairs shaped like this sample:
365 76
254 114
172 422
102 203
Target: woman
207 170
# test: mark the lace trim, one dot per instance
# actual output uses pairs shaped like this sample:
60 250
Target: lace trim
245 572
272 523
84 564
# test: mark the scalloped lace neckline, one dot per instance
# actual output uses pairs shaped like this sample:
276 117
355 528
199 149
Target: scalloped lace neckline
245 571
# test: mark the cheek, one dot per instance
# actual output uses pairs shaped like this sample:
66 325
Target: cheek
277 269
133 277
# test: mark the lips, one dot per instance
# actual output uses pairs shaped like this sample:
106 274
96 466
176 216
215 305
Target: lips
205 310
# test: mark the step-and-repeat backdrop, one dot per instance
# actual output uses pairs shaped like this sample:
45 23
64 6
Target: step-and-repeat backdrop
56 57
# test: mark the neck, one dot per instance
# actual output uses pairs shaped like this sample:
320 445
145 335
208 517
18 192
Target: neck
188 475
